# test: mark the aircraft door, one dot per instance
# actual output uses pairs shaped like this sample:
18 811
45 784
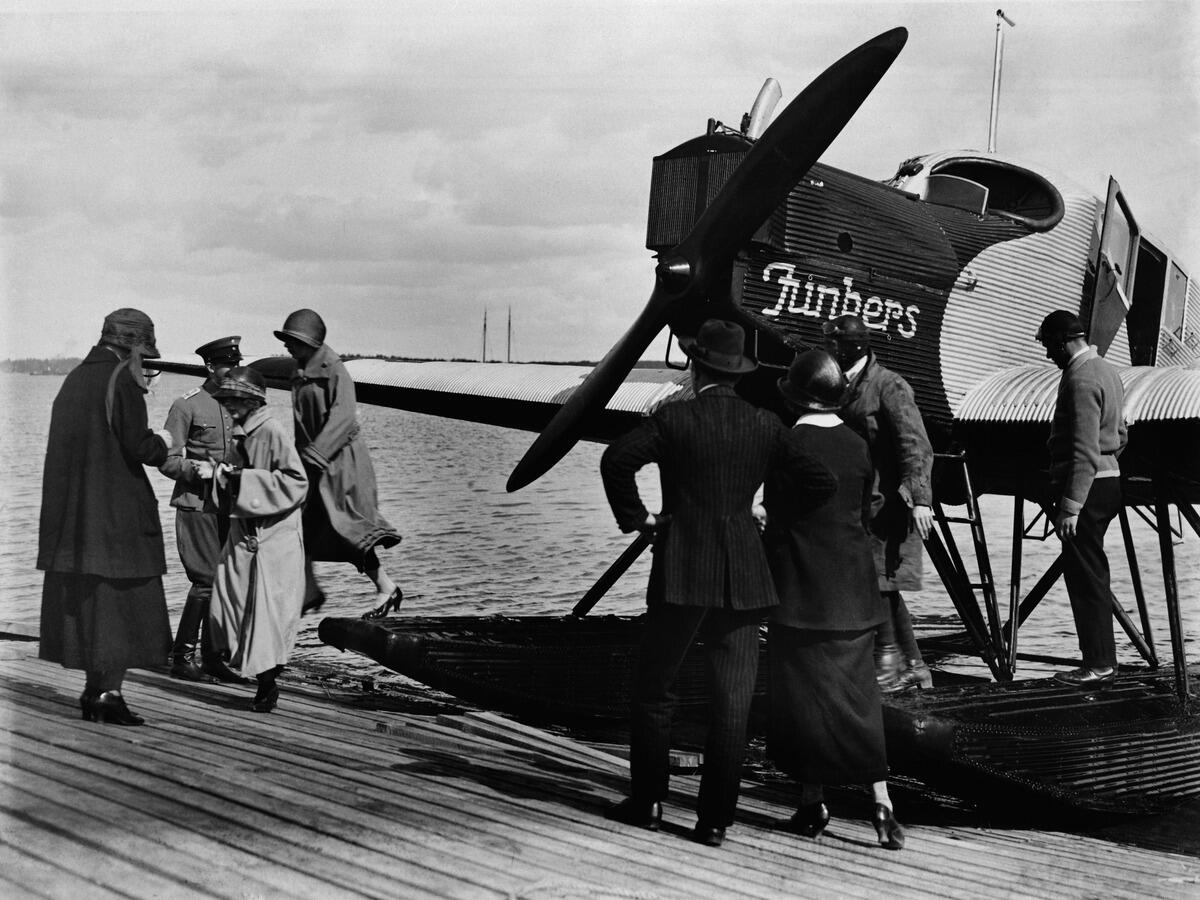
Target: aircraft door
1116 264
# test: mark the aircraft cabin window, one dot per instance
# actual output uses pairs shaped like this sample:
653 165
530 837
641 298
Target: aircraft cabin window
1172 317
1011 191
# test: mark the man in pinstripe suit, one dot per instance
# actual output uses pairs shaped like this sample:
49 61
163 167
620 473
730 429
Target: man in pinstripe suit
709 578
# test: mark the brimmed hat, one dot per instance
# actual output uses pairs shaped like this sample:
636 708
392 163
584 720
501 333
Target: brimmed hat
305 326
242 382
720 346
847 328
130 328
814 382
225 348
1060 326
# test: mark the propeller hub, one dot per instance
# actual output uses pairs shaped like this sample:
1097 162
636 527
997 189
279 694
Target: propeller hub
674 273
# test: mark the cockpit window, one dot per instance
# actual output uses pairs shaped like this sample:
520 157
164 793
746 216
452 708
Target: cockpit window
1011 191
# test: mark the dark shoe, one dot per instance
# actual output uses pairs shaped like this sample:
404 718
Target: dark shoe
917 675
265 701
390 605
633 812
312 602
808 820
217 670
889 831
85 706
110 707
1087 678
183 667
709 835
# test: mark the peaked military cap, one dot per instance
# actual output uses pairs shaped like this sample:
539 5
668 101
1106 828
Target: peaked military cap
221 348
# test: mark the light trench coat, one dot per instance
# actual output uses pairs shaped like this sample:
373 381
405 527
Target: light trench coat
258 590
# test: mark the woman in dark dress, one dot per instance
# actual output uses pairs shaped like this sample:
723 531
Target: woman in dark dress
826 710
100 540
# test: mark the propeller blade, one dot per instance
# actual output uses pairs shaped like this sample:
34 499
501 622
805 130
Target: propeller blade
772 167
562 432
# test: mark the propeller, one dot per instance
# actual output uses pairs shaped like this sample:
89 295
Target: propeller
772 167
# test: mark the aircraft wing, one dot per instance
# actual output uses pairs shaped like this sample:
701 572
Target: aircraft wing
512 395
1027 394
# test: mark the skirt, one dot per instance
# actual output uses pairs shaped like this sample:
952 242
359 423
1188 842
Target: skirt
826 719
104 624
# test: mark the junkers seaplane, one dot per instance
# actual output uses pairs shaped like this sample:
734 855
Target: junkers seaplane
952 262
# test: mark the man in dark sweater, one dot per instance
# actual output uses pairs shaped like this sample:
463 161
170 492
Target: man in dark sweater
1086 435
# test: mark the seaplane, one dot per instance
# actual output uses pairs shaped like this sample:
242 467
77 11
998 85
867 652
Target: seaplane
951 262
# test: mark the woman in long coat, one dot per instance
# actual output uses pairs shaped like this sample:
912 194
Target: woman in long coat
826 724
100 539
341 518
258 589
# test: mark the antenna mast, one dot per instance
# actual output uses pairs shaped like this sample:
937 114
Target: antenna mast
508 349
1001 18
483 352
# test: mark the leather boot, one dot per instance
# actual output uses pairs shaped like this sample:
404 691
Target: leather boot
213 661
889 665
183 665
183 652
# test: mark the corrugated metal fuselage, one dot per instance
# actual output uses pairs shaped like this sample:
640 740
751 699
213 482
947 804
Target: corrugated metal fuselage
951 295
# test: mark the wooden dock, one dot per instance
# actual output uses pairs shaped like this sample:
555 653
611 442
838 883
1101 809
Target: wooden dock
324 798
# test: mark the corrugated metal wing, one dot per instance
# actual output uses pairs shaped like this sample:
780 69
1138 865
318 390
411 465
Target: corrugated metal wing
1027 394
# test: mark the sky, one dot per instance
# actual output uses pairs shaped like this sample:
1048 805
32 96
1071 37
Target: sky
404 168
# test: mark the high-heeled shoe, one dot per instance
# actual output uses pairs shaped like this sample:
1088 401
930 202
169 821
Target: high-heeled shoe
889 831
85 706
809 820
390 605
265 701
110 708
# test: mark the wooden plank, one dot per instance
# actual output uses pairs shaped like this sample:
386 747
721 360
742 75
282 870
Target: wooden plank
168 837
32 876
494 791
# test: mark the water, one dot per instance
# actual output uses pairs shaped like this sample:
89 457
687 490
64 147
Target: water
471 548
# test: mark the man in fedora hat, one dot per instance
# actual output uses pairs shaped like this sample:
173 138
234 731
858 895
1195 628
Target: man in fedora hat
1086 436
201 431
709 577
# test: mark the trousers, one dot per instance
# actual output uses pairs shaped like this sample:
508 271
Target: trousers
731 648
1086 573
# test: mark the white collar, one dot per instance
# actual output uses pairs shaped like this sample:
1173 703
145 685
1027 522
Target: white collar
853 371
820 419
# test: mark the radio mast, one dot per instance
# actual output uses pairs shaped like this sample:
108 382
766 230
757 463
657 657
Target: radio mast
1001 18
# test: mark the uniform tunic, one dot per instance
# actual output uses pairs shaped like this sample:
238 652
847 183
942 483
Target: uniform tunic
258 590
341 517
826 724
201 429
881 408
100 540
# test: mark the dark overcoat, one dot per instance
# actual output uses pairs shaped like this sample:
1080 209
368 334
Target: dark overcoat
341 516
99 513
100 540
881 408
820 556
712 452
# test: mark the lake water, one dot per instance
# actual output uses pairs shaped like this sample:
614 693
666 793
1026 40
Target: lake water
472 548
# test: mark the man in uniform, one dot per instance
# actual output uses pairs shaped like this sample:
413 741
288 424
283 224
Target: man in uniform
880 406
201 430
709 577
1086 435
